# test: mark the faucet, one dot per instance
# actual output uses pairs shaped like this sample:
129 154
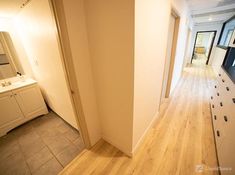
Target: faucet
5 83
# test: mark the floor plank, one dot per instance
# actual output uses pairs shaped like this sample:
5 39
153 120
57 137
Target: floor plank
181 142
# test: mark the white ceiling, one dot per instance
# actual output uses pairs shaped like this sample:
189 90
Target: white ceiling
211 11
9 8
203 11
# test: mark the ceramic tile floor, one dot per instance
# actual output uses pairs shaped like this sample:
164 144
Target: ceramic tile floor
42 146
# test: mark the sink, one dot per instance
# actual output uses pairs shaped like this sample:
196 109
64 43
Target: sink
17 84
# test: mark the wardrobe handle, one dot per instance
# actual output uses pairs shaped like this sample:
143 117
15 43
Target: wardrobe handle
220 75
215 86
218 133
233 100
223 80
225 118
211 98
217 93
221 104
213 106
215 117
227 88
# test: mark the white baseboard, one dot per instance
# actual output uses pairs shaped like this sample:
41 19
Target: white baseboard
132 153
129 154
139 143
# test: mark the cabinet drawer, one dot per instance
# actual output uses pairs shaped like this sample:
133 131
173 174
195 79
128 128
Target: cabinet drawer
225 156
213 91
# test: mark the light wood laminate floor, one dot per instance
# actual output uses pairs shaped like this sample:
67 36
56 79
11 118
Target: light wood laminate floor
180 143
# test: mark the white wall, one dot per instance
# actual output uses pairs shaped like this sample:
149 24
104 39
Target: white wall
4 24
180 7
187 47
78 40
207 27
110 26
218 59
126 48
36 28
151 31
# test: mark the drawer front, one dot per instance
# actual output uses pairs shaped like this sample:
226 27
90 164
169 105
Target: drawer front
224 124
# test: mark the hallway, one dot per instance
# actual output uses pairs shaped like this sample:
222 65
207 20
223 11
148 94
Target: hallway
181 139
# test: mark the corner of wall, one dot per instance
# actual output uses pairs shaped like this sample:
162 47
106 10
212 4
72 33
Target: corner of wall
137 146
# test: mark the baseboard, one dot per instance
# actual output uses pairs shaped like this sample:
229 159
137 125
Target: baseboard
133 152
147 130
129 154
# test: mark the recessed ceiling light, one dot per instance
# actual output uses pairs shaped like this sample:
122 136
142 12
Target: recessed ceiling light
210 19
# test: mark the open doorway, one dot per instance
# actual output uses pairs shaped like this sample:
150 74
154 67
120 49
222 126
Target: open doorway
170 55
202 47
187 54
33 140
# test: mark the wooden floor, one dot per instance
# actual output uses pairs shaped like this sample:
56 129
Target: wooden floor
180 143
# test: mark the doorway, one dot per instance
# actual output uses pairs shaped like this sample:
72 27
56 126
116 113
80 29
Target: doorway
203 44
170 55
187 54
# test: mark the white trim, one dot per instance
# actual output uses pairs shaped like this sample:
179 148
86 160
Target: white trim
117 146
139 143
141 140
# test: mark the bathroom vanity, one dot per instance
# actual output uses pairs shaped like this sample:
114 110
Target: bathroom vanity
20 101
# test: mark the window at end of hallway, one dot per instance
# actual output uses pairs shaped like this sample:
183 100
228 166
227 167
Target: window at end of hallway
227 32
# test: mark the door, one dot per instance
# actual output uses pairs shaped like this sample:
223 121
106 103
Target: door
203 45
170 55
30 100
10 111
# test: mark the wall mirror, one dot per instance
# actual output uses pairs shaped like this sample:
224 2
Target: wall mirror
9 62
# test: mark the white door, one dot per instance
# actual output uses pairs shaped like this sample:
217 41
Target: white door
9 110
30 100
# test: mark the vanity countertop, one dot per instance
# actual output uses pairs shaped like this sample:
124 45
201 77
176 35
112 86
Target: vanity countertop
17 84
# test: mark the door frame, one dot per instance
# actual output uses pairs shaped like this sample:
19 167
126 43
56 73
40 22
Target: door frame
211 46
68 66
167 79
173 51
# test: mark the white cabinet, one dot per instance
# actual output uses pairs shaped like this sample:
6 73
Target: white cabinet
30 100
10 111
20 105
223 114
